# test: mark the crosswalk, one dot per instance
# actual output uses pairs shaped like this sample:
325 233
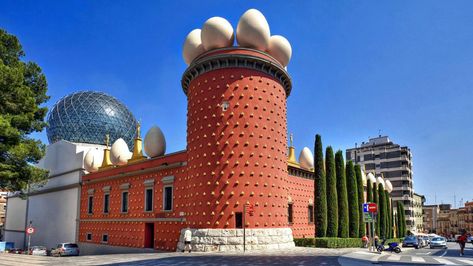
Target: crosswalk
399 259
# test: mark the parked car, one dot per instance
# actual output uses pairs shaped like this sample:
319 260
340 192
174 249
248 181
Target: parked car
16 251
410 241
38 251
66 249
426 240
470 239
438 242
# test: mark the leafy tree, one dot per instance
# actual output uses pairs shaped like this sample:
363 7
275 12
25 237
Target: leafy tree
376 200
342 195
22 91
381 213
369 191
403 219
353 206
389 215
332 197
361 200
320 189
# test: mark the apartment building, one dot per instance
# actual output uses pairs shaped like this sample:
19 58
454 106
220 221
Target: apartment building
419 201
383 157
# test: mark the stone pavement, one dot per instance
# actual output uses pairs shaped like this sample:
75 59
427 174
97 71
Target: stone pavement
292 256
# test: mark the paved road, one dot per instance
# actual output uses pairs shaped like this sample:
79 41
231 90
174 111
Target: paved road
411 256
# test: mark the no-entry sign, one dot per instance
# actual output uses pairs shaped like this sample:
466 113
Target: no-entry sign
30 230
370 207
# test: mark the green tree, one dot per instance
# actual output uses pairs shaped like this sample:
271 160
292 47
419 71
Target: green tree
381 213
389 215
332 197
353 207
361 200
22 91
403 219
398 219
376 200
320 189
369 191
342 195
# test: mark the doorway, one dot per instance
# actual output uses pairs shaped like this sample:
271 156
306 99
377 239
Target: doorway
149 235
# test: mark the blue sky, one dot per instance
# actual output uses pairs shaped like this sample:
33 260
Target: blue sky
402 67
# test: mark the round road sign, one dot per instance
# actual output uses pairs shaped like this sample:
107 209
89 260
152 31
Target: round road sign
30 230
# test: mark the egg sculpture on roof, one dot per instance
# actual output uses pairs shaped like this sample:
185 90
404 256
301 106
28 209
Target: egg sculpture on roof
216 33
306 159
93 160
193 46
380 180
120 154
371 178
155 143
389 186
253 30
280 48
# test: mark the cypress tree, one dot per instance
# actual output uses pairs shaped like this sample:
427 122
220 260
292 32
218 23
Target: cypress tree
403 220
332 197
320 189
381 213
353 207
369 191
389 215
342 195
398 219
376 200
361 200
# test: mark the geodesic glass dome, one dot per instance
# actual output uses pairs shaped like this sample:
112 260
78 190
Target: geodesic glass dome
87 116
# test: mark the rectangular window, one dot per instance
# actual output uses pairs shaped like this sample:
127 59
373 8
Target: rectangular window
149 199
125 201
90 205
311 214
105 238
106 203
289 213
239 220
89 237
167 204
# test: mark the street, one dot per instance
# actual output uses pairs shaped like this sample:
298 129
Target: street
296 256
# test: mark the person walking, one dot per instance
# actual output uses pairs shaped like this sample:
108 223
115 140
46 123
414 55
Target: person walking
187 240
462 241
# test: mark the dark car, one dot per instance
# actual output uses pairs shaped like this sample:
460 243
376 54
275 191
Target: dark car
410 241
16 251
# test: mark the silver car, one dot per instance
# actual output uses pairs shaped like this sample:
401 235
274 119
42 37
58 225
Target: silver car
66 249
39 251
438 242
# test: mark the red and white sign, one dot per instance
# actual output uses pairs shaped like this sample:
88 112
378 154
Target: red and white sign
30 230
372 207
249 209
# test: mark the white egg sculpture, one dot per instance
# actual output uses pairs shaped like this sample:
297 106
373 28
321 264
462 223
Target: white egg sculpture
216 33
380 180
389 186
155 143
364 178
93 160
120 154
280 48
306 159
371 178
253 30
193 46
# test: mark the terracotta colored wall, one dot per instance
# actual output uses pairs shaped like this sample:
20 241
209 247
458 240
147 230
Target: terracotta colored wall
301 191
238 155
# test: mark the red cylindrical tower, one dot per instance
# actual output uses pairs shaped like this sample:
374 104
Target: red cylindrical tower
236 139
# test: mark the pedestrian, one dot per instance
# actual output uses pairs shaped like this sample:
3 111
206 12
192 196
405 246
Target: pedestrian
365 241
187 240
462 241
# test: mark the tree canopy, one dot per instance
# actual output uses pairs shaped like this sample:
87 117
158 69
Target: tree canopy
23 89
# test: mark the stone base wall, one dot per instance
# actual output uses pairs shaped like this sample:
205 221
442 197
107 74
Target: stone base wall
212 240
102 249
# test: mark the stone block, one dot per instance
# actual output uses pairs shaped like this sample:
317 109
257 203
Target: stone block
239 247
219 240
205 240
199 232
210 248
198 247
214 232
235 240
264 240
228 232
258 232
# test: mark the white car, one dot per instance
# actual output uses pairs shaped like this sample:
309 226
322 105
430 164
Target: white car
438 242
39 251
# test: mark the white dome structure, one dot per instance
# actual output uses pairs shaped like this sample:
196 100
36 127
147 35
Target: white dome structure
120 154
280 48
253 30
389 186
306 158
193 46
380 180
216 33
371 178
155 143
93 160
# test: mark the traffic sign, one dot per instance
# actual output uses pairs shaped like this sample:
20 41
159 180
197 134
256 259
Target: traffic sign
367 217
370 207
30 230
250 209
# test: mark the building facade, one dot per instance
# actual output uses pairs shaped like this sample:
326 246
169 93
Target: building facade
382 157
451 222
419 201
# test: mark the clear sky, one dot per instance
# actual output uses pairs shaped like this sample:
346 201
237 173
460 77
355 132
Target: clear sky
402 67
